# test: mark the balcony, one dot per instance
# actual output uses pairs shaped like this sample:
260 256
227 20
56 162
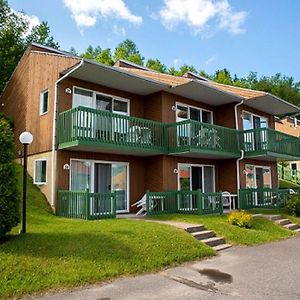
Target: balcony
196 139
87 129
269 143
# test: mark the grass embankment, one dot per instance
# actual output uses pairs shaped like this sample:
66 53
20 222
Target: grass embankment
58 253
262 230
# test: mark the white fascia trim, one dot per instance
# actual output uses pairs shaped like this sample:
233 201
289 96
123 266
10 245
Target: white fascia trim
53 164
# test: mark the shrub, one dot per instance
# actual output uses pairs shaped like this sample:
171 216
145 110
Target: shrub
9 197
293 205
241 219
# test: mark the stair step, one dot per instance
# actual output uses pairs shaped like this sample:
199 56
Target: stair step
297 230
204 234
214 241
222 247
196 228
291 226
283 222
273 217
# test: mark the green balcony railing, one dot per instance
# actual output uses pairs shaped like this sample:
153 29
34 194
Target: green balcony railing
194 136
87 126
262 198
86 205
266 141
287 173
183 202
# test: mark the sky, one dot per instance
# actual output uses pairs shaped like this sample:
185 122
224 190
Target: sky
242 36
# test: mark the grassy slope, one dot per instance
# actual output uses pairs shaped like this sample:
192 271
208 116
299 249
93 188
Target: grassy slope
284 184
58 253
262 231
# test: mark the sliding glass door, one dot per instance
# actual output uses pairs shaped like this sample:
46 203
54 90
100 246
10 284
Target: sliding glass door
102 177
258 177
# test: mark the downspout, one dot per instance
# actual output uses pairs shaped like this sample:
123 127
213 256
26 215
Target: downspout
238 182
53 164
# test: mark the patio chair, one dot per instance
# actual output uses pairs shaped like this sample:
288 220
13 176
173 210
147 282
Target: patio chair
227 200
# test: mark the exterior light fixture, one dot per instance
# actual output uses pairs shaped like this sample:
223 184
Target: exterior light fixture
26 139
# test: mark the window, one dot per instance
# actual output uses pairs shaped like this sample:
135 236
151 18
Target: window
251 121
40 171
92 99
184 112
44 102
294 166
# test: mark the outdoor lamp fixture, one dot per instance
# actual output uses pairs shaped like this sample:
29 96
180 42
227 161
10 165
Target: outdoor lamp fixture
26 139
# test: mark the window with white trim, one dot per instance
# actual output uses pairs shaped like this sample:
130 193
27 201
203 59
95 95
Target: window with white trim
184 111
40 171
44 97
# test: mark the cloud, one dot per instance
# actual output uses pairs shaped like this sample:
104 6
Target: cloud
119 30
210 60
32 20
177 62
201 15
86 12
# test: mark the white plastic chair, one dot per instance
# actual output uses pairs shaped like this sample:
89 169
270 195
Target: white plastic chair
227 200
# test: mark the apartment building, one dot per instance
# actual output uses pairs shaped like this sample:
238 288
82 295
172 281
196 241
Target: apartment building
129 129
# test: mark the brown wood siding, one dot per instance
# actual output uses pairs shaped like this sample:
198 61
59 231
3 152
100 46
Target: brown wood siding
227 175
153 108
65 100
136 170
36 72
225 116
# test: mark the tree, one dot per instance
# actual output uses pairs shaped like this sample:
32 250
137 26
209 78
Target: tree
155 64
41 34
14 38
105 57
91 53
128 50
73 51
223 76
9 197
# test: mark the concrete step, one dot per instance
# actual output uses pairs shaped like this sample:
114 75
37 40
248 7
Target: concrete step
272 217
222 247
214 241
196 228
283 222
202 235
297 230
291 226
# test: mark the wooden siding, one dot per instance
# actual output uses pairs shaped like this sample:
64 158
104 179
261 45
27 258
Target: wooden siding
36 72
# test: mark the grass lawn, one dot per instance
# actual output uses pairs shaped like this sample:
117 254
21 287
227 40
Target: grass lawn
284 184
262 231
59 253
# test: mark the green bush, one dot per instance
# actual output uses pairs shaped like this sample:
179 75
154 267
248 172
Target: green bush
9 197
293 205
241 219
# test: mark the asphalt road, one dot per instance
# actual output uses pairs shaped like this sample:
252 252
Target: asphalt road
270 271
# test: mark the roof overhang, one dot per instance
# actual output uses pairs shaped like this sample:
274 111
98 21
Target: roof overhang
115 78
273 105
200 91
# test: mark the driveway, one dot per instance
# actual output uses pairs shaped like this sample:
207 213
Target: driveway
270 271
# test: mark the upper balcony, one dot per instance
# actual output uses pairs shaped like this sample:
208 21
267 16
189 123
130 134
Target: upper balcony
197 139
87 129
270 144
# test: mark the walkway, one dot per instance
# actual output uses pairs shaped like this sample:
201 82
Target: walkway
269 271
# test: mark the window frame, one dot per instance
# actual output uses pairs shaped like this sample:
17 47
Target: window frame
35 171
252 119
194 107
42 102
254 174
95 93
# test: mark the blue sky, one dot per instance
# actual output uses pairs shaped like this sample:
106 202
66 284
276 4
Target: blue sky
242 36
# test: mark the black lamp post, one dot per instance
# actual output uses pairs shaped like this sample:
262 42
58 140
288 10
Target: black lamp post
26 139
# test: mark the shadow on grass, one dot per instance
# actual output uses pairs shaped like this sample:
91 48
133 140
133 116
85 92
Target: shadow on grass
85 246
